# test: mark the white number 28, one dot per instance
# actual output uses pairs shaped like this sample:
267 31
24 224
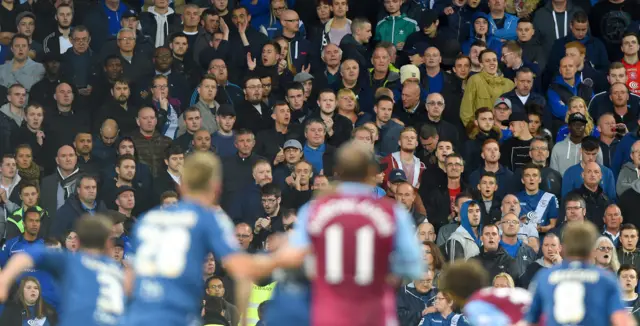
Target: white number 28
162 251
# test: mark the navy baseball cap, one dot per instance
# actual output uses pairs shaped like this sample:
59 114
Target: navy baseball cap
397 175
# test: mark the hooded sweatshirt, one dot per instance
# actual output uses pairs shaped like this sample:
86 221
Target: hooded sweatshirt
628 174
566 154
493 43
6 109
464 238
161 19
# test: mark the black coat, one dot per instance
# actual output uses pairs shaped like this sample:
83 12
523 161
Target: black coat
68 214
342 128
163 182
14 311
496 262
111 109
596 202
237 175
270 141
248 117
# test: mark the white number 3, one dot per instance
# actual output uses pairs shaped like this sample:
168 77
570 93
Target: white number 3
569 302
162 252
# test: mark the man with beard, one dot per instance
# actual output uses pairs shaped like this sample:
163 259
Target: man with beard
42 92
339 127
483 130
83 144
405 158
465 242
102 83
269 142
118 108
59 40
183 63
271 221
251 113
125 176
201 142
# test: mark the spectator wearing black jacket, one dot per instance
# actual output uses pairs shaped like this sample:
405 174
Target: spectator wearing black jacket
42 92
183 63
84 202
436 195
435 106
515 150
491 204
483 130
271 221
269 142
178 83
11 116
103 81
169 180
63 21
66 119
524 80
339 127
551 249
354 45
493 257
246 204
125 177
531 43
252 114
119 107
238 167
160 21
628 252
601 102
591 191
135 59
329 72
78 62
300 190
83 143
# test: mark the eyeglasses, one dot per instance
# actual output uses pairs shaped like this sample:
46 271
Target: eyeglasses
217 287
438 103
266 85
604 249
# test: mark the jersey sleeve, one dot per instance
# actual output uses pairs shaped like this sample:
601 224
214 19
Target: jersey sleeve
300 238
4 253
219 236
49 260
407 259
535 310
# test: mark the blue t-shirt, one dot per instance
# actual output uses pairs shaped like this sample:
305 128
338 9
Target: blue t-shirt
536 203
170 246
512 250
92 286
435 83
33 320
314 156
114 18
574 293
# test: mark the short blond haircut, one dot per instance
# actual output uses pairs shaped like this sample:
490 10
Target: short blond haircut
508 277
199 170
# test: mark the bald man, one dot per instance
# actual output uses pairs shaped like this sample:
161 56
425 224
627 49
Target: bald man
61 184
300 49
103 144
410 108
592 193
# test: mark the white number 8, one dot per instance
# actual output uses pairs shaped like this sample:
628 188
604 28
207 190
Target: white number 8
162 252
568 298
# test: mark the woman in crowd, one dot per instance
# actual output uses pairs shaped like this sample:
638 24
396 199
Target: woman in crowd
71 241
349 107
534 112
435 260
577 104
27 168
605 255
444 314
28 308
503 280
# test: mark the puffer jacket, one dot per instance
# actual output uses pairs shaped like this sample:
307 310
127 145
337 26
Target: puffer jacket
482 90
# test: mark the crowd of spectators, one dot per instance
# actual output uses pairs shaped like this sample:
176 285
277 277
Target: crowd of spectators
495 123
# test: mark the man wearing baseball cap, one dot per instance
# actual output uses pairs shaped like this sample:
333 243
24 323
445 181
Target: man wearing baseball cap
430 35
306 79
515 150
567 153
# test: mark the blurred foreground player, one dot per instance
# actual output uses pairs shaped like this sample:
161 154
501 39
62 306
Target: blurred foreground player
171 244
356 241
91 282
467 283
576 292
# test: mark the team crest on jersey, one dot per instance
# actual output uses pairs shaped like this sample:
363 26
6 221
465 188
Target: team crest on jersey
633 75
544 202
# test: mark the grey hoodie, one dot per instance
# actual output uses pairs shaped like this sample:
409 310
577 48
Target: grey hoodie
628 174
566 154
6 109
546 25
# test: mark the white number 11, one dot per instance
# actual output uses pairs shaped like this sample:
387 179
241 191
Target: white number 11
334 240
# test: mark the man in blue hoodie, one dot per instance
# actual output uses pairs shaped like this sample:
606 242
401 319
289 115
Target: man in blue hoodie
564 86
465 242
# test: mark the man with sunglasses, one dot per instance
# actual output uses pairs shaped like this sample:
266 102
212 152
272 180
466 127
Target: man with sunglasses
516 248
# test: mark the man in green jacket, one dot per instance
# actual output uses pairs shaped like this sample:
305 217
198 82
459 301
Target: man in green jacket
396 27
29 194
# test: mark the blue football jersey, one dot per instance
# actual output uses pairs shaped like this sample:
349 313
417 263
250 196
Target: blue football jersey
92 286
574 293
170 246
